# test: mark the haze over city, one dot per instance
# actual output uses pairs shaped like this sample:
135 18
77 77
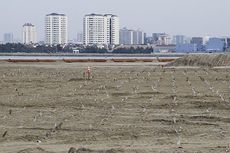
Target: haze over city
188 17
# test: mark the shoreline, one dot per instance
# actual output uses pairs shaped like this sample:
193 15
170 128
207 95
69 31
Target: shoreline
94 55
108 54
78 58
88 60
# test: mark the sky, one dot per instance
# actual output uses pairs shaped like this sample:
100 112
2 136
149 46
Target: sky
187 17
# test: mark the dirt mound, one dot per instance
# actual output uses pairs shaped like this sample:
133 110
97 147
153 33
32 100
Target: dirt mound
31 138
34 150
72 150
210 60
85 150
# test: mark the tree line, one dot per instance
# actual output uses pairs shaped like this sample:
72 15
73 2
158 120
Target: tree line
22 48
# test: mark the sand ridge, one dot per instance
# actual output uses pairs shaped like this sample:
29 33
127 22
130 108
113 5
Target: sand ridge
204 60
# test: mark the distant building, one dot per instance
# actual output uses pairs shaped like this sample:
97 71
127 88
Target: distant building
186 48
138 37
156 36
161 39
179 39
80 38
228 42
29 34
56 31
113 26
215 45
126 36
148 40
187 40
8 38
199 42
131 37
101 29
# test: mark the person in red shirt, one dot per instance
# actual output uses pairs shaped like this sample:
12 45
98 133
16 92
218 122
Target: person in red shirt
88 73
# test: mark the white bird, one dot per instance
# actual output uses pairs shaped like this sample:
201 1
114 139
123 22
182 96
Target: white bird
82 106
174 120
174 99
179 141
228 148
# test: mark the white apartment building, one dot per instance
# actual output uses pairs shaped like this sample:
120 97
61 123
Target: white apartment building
101 29
29 34
56 31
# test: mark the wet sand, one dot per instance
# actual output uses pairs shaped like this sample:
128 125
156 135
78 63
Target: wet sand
125 107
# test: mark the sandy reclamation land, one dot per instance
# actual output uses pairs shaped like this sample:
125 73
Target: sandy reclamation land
125 107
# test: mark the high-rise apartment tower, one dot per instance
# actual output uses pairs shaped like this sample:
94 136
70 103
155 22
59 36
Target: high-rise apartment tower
101 29
29 34
56 31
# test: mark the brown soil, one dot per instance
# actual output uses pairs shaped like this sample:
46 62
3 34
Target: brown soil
210 60
123 108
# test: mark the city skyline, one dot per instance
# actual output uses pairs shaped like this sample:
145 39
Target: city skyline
190 17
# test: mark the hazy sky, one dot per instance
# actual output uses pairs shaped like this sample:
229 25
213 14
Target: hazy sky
189 17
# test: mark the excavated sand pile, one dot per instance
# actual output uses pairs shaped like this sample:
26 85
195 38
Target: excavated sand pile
210 60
